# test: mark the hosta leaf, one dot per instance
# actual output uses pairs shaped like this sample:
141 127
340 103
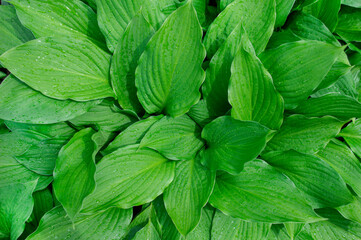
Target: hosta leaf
203 229
326 11
215 87
336 227
258 19
74 172
37 108
67 68
352 135
58 18
11 31
168 78
352 3
132 134
231 143
321 184
129 177
108 224
338 70
341 158
91 3
305 135
226 227
16 205
251 92
175 138
200 113
349 26
352 211
147 232
124 61
43 202
283 9
260 193
334 104
188 194
294 70
293 229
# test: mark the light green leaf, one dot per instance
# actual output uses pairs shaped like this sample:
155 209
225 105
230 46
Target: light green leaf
336 227
74 172
352 211
283 9
129 177
37 108
317 180
352 135
43 202
231 143
326 11
260 193
200 113
352 3
298 68
215 87
305 135
16 205
203 229
293 229
12 32
349 26
341 158
59 18
188 194
67 68
125 59
338 70
226 227
175 138
148 232
132 134
258 20
108 224
332 104
251 92
168 80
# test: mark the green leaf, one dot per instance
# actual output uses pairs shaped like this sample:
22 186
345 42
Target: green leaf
293 229
203 229
305 135
200 113
148 232
317 180
342 159
332 104
251 92
260 193
188 194
12 32
294 69
283 9
326 11
91 3
349 26
74 172
336 227
108 224
175 138
43 202
258 20
37 109
338 70
59 18
352 3
132 134
16 203
125 59
129 177
226 227
352 211
352 136
67 68
231 143
168 81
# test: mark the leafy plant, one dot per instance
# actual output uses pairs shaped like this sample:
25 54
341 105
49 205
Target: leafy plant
180 119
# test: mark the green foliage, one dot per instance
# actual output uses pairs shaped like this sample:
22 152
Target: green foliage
180 119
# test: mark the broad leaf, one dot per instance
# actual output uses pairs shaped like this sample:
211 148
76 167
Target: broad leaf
129 177
67 68
226 227
108 224
352 211
352 3
320 183
293 229
294 70
43 202
260 193
175 138
188 194
74 172
251 92
349 26
168 78
231 143
16 205
352 135
283 9
305 135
